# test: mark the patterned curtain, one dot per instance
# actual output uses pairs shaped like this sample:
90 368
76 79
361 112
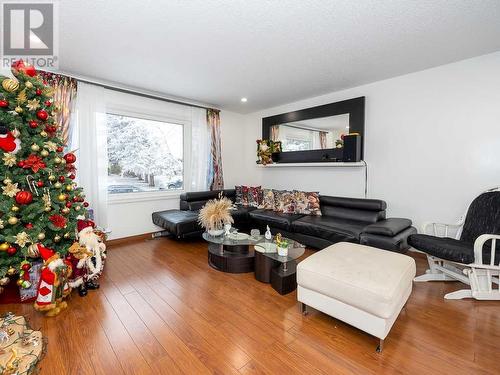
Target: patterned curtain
64 99
322 140
215 176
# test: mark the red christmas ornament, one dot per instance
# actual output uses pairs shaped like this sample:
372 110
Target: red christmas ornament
24 197
20 164
61 178
11 250
33 124
20 66
40 184
38 92
26 267
28 226
59 149
85 204
51 128
58 221
69 204
4 103
70 158
48 103
71 176
42 114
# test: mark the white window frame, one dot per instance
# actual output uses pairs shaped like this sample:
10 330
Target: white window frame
118 109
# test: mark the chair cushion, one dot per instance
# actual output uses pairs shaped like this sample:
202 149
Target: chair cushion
177 222
373 280
274 219
388 227
443 247
329 228
241 214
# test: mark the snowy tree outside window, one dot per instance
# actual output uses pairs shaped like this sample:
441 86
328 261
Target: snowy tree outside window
144 155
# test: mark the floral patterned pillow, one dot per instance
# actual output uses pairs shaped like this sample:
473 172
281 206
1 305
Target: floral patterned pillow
244 196
307 203
254 196
267 202
239 195
284 201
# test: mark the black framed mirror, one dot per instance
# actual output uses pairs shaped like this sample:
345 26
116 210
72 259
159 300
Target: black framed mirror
316 134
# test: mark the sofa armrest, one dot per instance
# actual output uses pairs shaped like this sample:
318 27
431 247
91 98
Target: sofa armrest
388 227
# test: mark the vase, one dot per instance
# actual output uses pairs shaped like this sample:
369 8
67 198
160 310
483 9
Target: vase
283 251
215 232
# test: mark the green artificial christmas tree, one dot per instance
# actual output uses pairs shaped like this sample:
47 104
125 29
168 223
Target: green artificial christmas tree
39 201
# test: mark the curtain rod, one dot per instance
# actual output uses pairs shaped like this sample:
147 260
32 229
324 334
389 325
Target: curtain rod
132 92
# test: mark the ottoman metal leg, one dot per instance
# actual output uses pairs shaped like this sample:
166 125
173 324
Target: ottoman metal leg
380 346
304 309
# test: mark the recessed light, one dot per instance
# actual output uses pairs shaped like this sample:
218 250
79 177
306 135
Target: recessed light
244 100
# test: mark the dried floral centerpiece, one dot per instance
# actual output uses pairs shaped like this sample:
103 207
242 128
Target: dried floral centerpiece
215 214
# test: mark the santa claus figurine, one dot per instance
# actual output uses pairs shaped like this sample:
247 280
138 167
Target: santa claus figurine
8 143
53 285
96 250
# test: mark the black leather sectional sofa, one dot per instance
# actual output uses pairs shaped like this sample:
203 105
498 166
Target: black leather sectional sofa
343 219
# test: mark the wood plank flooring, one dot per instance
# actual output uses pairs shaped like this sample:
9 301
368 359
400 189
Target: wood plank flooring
162 310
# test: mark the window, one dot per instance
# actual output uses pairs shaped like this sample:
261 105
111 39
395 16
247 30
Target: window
144 155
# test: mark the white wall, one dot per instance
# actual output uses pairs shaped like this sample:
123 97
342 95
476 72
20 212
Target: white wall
422 156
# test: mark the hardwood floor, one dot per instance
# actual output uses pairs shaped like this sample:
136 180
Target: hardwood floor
162 310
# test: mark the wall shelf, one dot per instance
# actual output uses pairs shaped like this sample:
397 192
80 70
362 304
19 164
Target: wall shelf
338 164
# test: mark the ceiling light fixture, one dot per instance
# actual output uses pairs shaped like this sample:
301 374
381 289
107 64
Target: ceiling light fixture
244 100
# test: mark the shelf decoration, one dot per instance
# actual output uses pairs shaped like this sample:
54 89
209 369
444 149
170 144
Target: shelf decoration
265 150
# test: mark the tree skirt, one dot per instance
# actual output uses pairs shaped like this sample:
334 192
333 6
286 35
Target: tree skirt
21 348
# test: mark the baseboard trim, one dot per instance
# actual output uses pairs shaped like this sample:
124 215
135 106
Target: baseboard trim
126 240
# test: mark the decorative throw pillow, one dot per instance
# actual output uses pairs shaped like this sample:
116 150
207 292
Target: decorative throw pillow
244 196
307 203
267 202
284 201
254 196
239 195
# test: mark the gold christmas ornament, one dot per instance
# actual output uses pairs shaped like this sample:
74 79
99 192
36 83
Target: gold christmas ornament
7 181
12 220
18 109
19 282
4 281
10 190
77 208
35 147
43 133
21 97
1 224
61 197
52 177
57 238
10 85
57 160
58 185
22 239
65 210
9 159
33 104
11 271
41 236
47 209
51 146
66 235
44 153
33 250
4 246
14 209
28 84
69 187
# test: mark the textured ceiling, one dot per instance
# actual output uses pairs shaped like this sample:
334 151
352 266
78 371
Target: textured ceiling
272 52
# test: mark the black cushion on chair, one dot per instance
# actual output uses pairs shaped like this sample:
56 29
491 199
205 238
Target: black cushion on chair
388 227
443 247
177 222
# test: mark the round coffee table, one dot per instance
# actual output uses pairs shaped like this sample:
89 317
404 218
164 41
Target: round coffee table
278 270
228 254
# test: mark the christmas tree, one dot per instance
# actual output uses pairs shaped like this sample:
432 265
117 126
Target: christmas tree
39 202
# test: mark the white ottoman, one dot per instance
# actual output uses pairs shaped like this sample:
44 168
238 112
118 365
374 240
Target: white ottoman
361 285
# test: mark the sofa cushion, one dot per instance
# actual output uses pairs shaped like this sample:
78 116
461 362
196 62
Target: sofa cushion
329 228
177 222
388 227
241 214
274 219
443 247
373 280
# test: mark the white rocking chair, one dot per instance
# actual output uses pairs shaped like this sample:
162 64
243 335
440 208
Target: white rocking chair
466 251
